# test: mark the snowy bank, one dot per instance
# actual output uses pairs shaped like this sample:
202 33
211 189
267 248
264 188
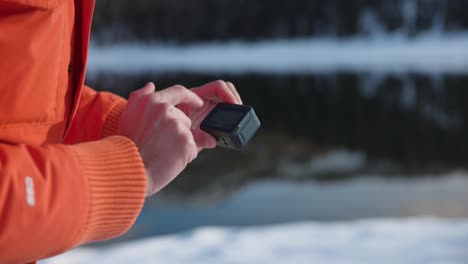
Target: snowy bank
416 241
394 53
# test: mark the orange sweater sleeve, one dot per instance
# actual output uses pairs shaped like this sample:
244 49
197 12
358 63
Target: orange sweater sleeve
56 197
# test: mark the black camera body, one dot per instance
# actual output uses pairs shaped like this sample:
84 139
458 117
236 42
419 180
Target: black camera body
232 125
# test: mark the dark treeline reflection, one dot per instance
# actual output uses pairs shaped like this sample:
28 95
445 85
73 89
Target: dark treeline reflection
184 21
417 121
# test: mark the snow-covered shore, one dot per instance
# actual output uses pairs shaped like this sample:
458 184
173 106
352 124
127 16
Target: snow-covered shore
389 53
414 241
364 221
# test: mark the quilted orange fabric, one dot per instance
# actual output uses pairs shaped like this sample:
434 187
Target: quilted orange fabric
66 178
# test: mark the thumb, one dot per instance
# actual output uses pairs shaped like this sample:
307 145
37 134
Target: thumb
203 139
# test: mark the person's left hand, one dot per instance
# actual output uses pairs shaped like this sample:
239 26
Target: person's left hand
211 93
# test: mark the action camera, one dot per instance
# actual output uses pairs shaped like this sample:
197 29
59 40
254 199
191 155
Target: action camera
232 125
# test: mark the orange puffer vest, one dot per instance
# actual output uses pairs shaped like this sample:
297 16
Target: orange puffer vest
66 178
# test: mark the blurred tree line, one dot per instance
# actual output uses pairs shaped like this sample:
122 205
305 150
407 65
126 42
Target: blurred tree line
183 21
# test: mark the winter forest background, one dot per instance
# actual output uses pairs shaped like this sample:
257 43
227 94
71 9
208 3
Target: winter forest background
184 21
412 118
363 109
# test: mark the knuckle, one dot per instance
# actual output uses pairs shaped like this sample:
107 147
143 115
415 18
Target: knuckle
175 125
184 119
194 152
230 84
220 82
134 95
144 100
160 96
185 140
163 108
179 87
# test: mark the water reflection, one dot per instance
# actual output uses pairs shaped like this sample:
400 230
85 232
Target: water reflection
392 129
277 202
415 120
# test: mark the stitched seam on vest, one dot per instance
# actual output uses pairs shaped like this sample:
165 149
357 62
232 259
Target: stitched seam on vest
42 4
60 77
29 124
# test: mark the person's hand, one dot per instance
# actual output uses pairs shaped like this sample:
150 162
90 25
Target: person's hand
211 93
162 132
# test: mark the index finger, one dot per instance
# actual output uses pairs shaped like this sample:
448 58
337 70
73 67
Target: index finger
178 94
218 90
234 91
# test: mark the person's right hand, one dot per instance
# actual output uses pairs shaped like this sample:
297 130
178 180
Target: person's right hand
162 132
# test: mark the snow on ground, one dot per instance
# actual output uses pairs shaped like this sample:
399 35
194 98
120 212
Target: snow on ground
341 160
414 241
427 53
336 161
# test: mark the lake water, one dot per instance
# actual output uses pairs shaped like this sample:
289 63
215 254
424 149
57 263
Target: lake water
351 129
